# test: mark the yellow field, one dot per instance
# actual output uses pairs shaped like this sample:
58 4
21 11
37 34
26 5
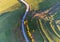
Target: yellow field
4 4
34 4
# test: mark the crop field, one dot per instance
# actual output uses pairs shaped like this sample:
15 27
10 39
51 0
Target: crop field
41 24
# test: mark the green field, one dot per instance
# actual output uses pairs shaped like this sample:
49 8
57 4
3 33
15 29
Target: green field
45 30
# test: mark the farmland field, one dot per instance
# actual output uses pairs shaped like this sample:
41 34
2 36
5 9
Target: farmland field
41 28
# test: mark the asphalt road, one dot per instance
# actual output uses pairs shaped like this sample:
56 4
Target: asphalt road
23 18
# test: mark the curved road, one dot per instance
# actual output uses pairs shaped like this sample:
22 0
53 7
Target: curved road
27 9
